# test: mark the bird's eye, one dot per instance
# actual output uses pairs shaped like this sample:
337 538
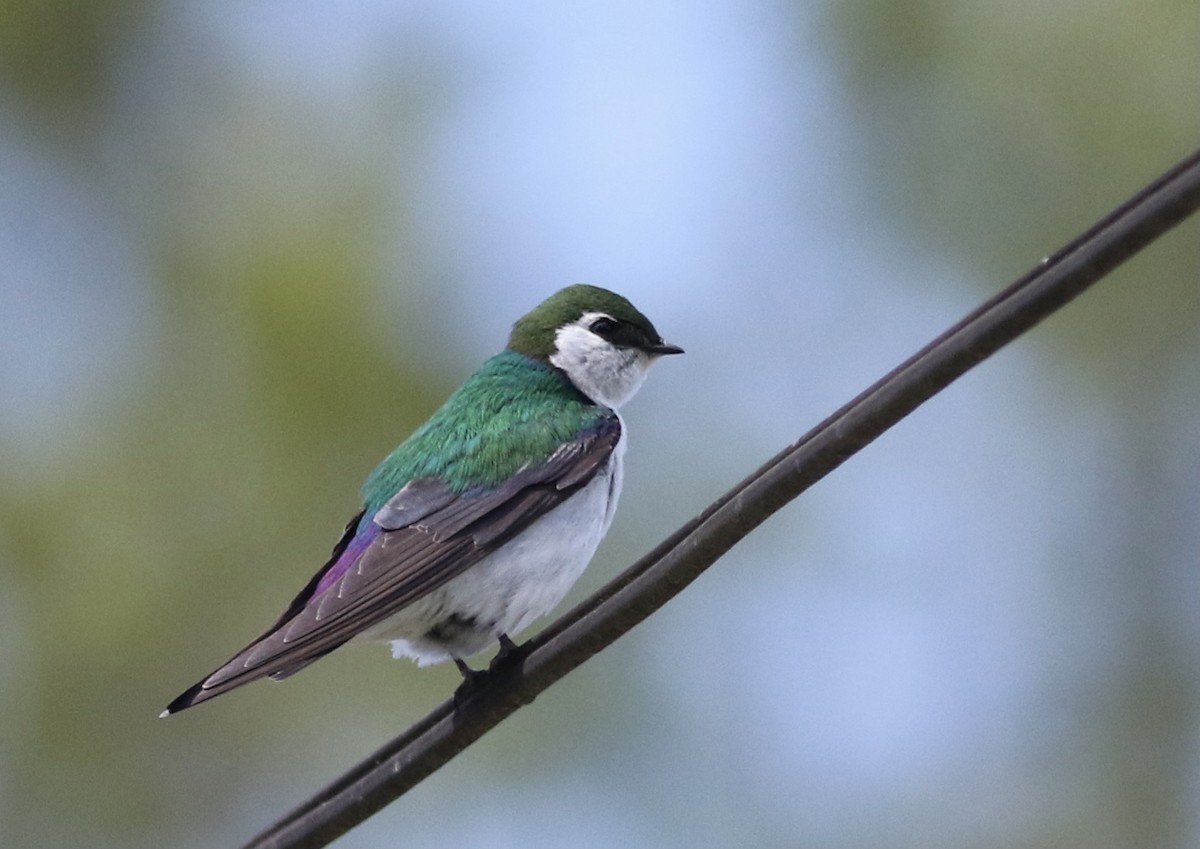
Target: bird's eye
603 326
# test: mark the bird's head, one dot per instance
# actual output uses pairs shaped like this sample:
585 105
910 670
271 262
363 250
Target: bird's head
596 337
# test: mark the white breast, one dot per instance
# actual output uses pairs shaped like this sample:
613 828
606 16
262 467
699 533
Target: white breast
519 582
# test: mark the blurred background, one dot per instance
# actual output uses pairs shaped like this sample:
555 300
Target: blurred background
245 247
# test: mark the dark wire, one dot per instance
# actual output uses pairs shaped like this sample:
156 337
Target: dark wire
673 564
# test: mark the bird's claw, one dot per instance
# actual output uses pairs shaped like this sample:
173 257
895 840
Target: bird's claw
504 665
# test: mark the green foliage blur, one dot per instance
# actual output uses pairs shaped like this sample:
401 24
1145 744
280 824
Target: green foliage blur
218 477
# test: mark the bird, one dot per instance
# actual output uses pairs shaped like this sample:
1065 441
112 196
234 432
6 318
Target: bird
483 518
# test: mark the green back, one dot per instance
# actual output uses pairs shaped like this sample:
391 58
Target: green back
513 410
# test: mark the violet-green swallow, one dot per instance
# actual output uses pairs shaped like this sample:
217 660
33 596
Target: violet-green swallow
482 519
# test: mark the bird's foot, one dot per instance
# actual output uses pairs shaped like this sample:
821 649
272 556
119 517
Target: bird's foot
505 665
510 654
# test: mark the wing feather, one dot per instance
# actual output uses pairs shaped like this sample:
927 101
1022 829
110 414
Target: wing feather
426 534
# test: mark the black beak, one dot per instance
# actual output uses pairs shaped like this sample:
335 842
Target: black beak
660 348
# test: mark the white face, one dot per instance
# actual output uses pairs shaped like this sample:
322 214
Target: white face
605 373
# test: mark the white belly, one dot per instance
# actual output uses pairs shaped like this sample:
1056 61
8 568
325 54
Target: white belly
522 580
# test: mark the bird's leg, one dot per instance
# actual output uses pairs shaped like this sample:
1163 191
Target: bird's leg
506 662
509 652
473 681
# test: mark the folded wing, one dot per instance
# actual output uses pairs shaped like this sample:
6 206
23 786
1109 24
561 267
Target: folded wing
421 538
